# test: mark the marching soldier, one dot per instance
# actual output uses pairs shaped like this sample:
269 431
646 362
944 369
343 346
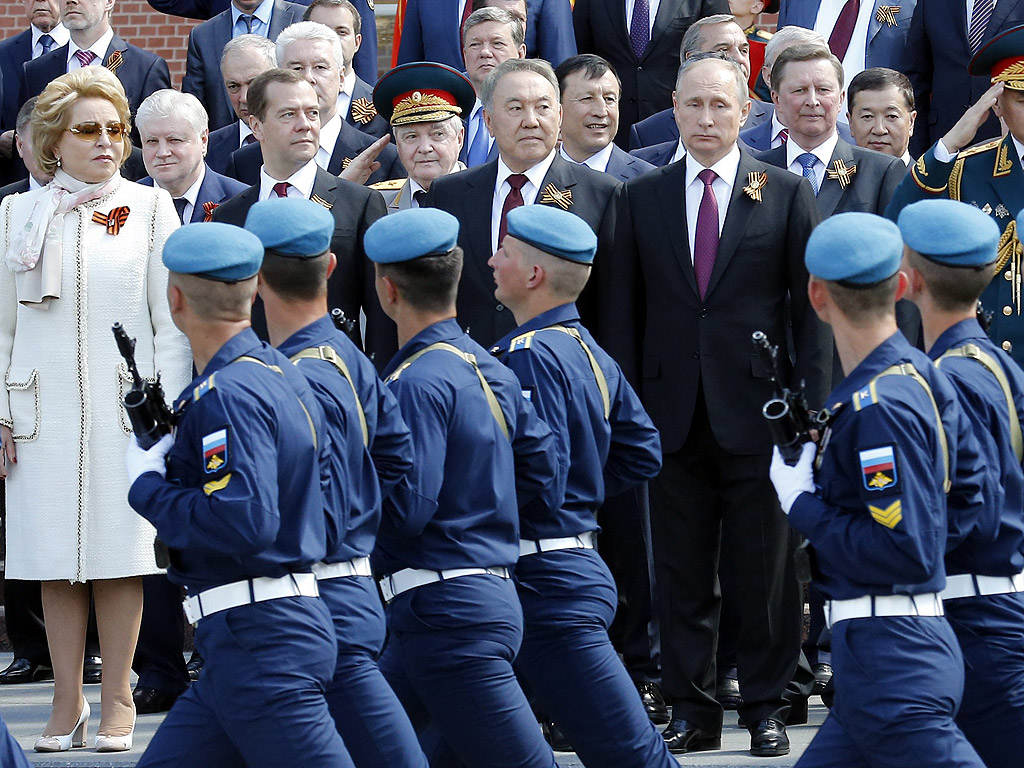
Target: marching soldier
989 175
373 449
606 443
950 255
450 533
236 496
873 505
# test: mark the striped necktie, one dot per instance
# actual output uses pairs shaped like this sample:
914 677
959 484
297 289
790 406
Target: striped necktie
979 22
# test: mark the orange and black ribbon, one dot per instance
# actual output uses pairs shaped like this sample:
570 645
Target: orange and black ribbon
115 61
208 208
114 220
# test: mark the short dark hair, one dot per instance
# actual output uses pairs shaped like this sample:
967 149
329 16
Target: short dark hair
478 4
24 116
429 284
257 96
805 52
865 303
357 22
954 289
591 65
296 279
878 79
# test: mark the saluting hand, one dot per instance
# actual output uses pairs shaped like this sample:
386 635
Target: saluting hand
365 163
962 134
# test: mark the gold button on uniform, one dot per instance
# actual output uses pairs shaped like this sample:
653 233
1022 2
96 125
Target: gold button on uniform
1007 346
1007 311
1007 275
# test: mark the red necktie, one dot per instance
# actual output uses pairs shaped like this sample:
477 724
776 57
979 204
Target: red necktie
85 57
512 200
784 135
248 140
842 33
281 188
705 240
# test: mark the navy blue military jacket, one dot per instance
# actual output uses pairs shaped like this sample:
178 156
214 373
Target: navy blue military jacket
244 493
374 462
602 455
458 507
878 521
996 545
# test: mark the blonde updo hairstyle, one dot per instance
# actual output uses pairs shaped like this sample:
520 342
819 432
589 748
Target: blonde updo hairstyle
52 113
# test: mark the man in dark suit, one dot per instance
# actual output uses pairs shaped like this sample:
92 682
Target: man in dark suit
244 57
366 56
93 41
206 43
283 110
355 102
548 25
522 112
880 105
641 46
707 251
940 44
719 32
315 51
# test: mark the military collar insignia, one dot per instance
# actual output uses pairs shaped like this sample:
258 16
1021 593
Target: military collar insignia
208 208
756 181
886 14
1001 211
114 220
560 197
986 209
115 61
363 111
1003 162
842 172
320 201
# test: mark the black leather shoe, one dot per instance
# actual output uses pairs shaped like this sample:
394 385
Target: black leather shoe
555 738
149 701
822 674
727 691
25 671
653 701
92 670
682 736
769 739
194 666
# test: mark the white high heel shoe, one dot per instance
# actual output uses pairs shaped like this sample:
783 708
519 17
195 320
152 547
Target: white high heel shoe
74 739
116 743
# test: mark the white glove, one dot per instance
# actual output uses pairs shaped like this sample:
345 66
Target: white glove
139 461
789 481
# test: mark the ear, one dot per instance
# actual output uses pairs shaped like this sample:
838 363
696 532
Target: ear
913 117
204 139
359 41
817 294
176 300
487 120
332 264
256 127
538 277
904 283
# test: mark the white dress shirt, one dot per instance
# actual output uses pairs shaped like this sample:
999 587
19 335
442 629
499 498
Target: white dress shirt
653 5
823 152
59 34
726 168
329 133
99 48
345 96
413 189
679 154
301 182
530 190
243 131
907 159
597 161
191 195
828 15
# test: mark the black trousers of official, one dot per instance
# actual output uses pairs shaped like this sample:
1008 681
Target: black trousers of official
703 499
158 661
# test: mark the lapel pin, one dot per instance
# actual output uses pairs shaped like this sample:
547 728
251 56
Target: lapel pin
114 220
886 14
842 172
320 201
363 111
560 197
208 208
756 181
115 61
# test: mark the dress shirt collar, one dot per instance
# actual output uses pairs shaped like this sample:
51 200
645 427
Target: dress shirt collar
302 180
907 159
823 151
243 131
192 193
348 84
99 48
777 127
726 168
597 161
263 13
535 175
414 187
680 152
329 133
59 34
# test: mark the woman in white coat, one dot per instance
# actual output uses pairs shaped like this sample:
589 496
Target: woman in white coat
80 254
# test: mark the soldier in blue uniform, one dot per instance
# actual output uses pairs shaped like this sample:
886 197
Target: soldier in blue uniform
374 448
989 175
950 256
11 753
873 505
236 496
450 531
607 444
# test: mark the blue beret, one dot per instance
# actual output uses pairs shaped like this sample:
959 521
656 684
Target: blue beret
949 232
553 231
214 251
291 226
423 92
1000 59
854 248
411 234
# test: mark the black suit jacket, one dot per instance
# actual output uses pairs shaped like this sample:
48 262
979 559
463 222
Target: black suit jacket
468 196
245 162
219 147
376 125
351 287
673 343
215 189
647 82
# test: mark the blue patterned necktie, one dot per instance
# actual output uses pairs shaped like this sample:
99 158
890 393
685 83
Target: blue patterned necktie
807 161
980 15
477 154
47 42
640 27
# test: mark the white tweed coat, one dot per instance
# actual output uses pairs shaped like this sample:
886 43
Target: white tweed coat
67 497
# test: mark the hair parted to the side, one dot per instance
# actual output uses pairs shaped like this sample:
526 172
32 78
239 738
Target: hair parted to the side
257 95
428 284
500 15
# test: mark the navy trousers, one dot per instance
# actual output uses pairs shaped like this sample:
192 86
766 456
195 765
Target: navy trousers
11 755
899 682
368 715
990 631
260 700
158 660
449 660
568 600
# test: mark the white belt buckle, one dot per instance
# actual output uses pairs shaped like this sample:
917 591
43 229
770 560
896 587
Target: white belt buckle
386 589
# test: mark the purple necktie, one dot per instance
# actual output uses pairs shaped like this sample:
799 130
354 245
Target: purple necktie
705 240
85 57
980 15
640 27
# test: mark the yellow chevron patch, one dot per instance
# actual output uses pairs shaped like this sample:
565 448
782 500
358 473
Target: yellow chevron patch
890 516
219 485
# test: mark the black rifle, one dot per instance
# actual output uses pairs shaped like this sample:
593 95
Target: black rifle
789 419
148 412
345 325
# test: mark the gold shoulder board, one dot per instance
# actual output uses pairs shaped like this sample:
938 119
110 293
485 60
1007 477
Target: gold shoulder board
977 149
389 185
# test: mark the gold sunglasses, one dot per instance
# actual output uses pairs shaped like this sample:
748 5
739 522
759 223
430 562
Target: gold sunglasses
92 131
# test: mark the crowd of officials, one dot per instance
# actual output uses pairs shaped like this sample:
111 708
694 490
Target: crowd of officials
516 495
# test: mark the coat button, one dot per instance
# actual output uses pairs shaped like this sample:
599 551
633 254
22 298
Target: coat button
703 313
500 307
1007 346
1007 311
1007 275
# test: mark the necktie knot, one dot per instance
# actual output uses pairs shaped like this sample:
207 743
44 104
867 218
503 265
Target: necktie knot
517 181
47 42
247 21
85 57
281 188
784 135
419 195
707 176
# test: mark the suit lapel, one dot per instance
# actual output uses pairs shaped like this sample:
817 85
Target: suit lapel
562 177
277 19
478 218
667 10
221 29
325 187
737 218
832 190
671 196
617 13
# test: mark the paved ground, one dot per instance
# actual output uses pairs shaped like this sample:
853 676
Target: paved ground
25 708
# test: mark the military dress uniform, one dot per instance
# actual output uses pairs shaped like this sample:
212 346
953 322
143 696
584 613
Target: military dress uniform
242 512
373 447
449 536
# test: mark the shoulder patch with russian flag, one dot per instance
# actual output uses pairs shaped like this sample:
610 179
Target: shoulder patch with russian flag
215 450
878 467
